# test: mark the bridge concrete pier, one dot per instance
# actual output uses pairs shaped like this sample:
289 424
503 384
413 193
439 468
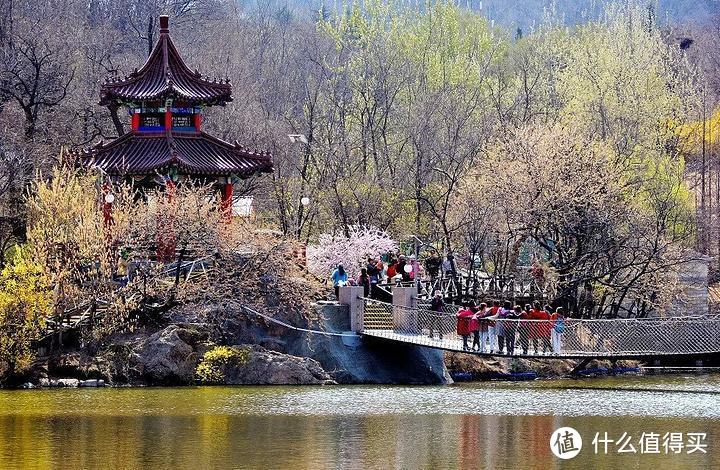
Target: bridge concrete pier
352 297
378 361
405 312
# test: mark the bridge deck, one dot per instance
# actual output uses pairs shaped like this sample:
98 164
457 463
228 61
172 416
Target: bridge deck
455 345
578 338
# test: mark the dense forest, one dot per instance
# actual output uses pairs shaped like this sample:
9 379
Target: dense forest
583 144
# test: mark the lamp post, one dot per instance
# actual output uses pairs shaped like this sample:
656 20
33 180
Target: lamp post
108 199
304 200
107 210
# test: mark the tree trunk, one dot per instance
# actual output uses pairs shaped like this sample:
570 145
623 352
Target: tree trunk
29 123
119 128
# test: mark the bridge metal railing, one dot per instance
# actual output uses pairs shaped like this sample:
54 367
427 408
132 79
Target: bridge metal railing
477 286
621 337
482 285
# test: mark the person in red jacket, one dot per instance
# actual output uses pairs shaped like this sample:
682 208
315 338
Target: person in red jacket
475 325
391 270
533 329
547 329
463 325
540 328
524 328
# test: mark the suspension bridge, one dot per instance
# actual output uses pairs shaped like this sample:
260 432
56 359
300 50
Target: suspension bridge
619 338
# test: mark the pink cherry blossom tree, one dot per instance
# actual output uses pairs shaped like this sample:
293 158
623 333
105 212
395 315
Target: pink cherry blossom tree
351 251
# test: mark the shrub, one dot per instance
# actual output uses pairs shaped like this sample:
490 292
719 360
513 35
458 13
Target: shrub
215 363
25 303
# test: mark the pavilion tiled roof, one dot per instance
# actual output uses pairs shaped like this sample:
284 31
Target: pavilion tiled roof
197 154
165 75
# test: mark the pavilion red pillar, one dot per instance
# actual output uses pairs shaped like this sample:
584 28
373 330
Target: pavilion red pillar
226 198
168 118
135 121
198 121
166 240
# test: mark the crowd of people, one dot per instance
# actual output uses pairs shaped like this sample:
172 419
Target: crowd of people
500 328
505 329
395 267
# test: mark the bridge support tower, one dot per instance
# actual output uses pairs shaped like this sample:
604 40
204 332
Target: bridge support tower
405 312
352 297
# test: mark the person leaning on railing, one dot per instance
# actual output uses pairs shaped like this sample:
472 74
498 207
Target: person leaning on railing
483 331
511 326
437 307
500 325
524 328
475 325
558 328
464 316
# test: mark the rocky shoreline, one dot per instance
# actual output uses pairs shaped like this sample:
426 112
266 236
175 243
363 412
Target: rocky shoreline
259 355
170 355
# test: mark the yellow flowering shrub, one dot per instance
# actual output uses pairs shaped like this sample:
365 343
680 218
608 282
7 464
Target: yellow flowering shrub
213 367
25 302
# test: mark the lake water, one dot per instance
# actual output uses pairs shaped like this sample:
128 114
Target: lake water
484 425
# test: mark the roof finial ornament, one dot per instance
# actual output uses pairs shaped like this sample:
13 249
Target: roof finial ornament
164 24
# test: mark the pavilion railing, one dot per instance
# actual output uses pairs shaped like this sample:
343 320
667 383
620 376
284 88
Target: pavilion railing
621 337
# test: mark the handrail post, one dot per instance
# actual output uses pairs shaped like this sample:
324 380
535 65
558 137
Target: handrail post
352 297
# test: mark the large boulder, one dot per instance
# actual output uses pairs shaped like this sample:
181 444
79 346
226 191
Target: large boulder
167 357
255 365
271 367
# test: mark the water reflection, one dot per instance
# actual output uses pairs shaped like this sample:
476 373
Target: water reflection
409 441
245 427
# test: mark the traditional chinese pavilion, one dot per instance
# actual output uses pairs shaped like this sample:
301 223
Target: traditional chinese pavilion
165 100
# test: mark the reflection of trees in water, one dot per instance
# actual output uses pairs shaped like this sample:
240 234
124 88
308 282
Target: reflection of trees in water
205 428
